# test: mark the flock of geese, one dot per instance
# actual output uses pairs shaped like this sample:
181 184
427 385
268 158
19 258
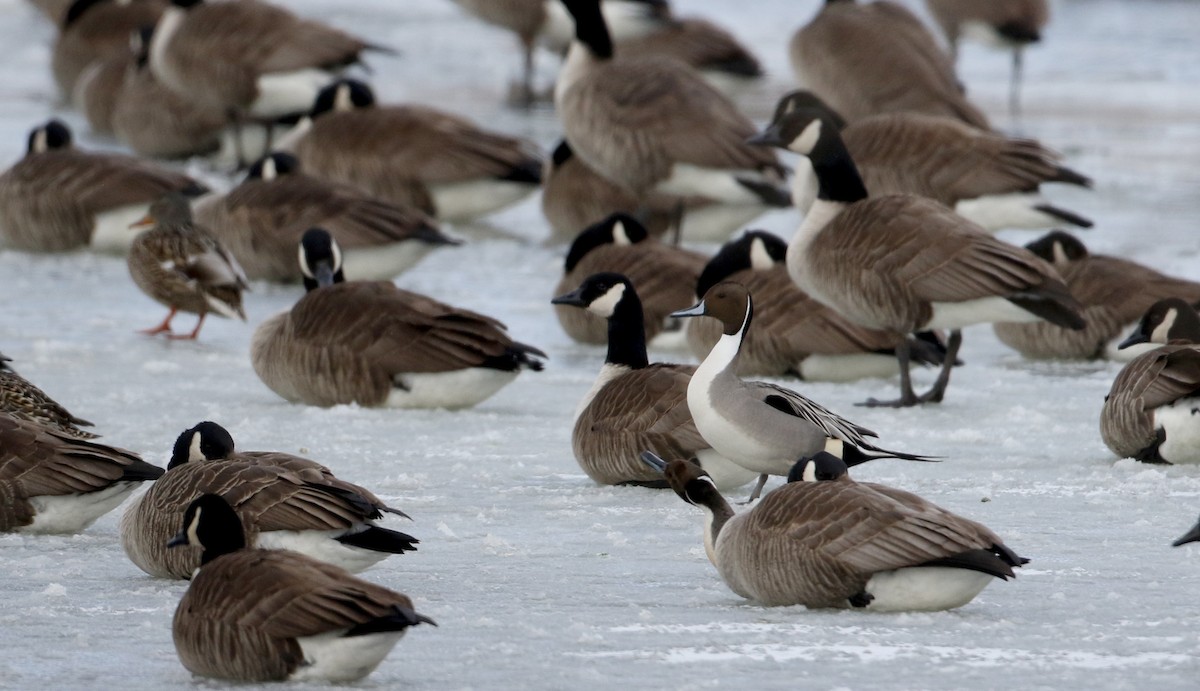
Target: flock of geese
899 177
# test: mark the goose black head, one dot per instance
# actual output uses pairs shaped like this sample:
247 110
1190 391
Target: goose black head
320 259
342 95
206 441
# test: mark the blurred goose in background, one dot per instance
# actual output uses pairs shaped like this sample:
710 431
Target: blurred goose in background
546 23
93 30
59 198
284 501
98 89
702 45
986 177
54 482
1152 411
413 155
21 399
662 274
262 220
761 426
1114 292
653 125
1007 24
253 60
54 10
257 615
574 197
843 544
904 263
872 58
635 405
371 343
793 334
183 266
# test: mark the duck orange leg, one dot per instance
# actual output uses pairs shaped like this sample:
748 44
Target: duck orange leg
165 326
192 336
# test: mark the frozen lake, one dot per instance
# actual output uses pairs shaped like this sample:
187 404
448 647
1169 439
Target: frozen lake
540 579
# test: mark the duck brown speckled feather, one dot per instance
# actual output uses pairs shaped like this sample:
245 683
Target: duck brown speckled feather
41 461
22 399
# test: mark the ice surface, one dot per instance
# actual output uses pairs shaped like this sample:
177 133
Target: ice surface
541 580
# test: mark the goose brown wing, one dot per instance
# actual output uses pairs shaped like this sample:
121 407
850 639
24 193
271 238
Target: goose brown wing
100 182
650 404
398 330
1161 376
704 128
40 461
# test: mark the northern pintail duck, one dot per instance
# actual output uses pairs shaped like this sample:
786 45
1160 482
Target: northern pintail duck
761 426
634 404
833 542
371 343
285 502
269 615
54 482
904 263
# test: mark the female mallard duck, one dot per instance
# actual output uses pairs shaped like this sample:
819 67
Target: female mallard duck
53 482
371 343
59 198
285 502
21 399
258 615
181 265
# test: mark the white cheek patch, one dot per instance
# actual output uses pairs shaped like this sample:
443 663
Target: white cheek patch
1161 333
810 472
194 452
304 263
1060 255
606 304
269 172
620 235
341 98
193 538
808 139
39 142
760 260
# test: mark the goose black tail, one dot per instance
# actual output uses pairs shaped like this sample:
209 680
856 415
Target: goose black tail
378 539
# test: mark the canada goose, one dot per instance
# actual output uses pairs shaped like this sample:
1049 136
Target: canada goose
1168 321
663 275
653 125
574 197
183 266
905 263
986 177
23 400
254 60
545 22
54 482
268 615
261 221
842 544
762 426
93 30
1192 535
709 49
1114 292
1152 411
413 155
635 405
1010 24
59 198
872 58
370 343
98 90
794 335
285 502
